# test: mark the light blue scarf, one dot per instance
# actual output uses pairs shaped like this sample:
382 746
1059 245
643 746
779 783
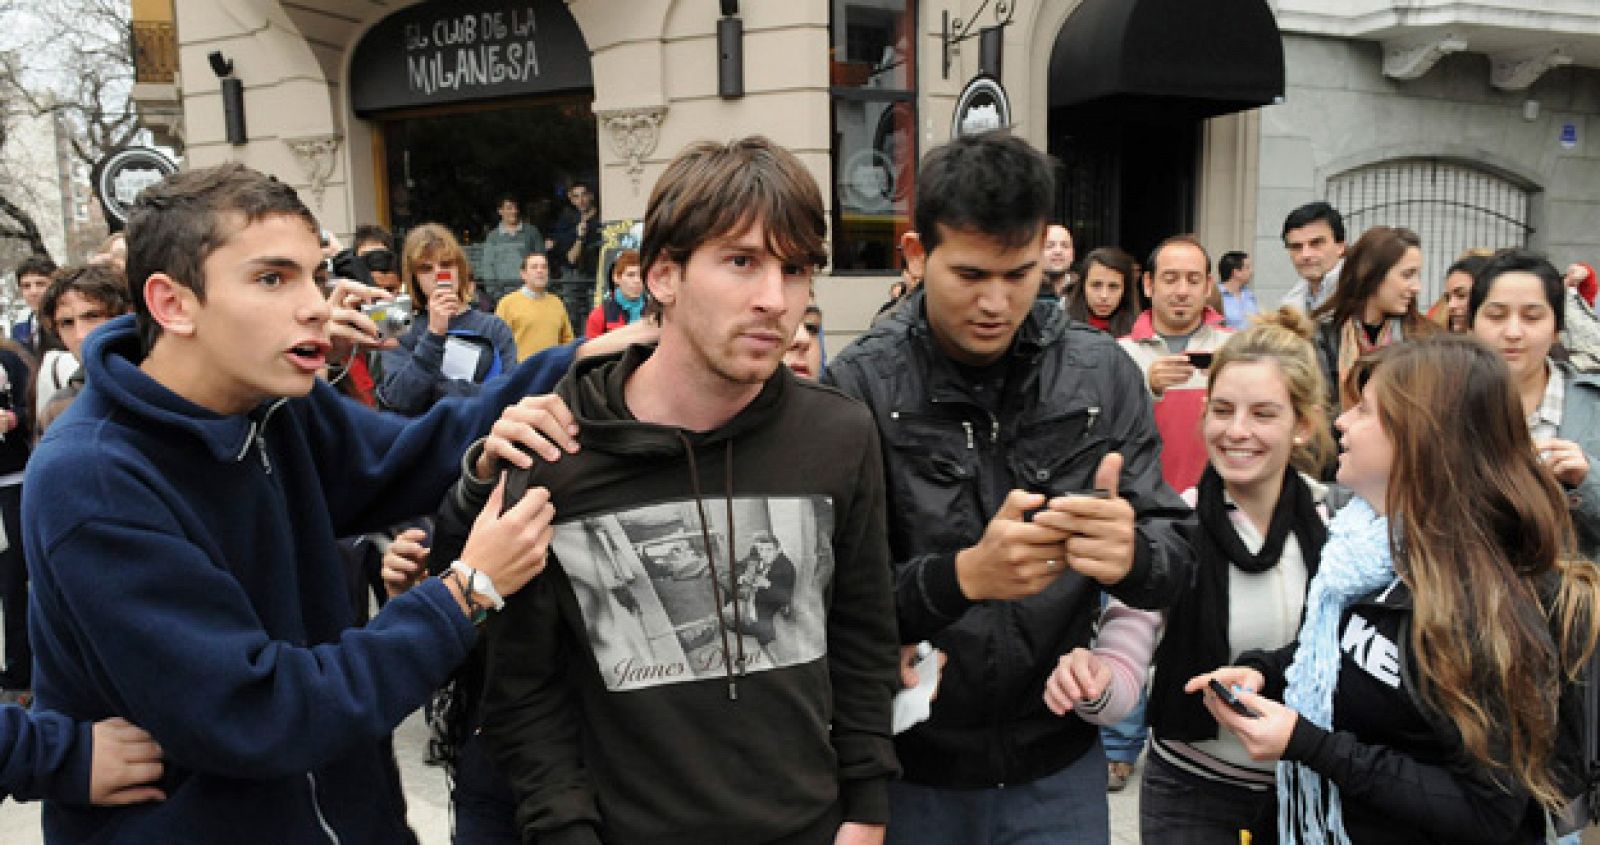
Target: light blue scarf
633 307
1355 562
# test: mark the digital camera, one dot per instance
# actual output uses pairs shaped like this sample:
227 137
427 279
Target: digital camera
393 316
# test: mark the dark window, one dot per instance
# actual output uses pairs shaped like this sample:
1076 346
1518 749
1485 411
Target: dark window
873 71
1453 206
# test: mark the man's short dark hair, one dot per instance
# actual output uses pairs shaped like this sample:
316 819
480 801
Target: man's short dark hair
995 184
36 265
371 233
1310 213
1191 240
1229 263
97 283
712 190
1519 261
178 222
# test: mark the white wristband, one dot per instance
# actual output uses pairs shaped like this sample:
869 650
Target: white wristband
479 583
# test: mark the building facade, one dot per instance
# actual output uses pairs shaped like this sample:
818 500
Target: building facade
1215 116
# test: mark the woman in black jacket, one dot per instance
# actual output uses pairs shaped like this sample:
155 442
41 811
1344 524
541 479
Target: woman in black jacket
1262 523
16 436
1444 630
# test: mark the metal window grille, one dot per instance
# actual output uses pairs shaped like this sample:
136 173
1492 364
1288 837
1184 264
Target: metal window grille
1453 206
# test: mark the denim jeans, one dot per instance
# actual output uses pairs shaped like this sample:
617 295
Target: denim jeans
1177 808
1066 808
1125 740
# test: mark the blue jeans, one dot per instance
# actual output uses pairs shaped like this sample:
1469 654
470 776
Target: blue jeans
1125 740
1066 808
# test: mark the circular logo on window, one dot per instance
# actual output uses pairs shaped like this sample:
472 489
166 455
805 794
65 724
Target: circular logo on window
120 177
982 107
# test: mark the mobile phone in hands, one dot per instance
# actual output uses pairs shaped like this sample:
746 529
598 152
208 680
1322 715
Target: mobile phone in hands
1232 700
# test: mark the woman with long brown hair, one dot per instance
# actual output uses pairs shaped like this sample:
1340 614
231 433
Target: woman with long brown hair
1374 306
1445 628
1107 297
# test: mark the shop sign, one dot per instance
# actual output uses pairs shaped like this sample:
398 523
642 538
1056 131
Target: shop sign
120 177
982 107
439 52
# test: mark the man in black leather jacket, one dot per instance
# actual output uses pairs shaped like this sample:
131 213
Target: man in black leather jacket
991 411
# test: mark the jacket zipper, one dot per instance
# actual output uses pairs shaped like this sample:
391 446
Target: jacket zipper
966 425
317 805
258 437
1094 413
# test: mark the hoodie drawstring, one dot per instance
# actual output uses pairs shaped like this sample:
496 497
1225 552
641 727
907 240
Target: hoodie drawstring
733 560
716 583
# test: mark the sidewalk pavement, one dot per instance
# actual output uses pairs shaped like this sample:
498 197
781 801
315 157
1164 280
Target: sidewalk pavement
428 801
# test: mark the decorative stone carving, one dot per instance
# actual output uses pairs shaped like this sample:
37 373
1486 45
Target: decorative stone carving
1516 70
1412 59
316 156
634 133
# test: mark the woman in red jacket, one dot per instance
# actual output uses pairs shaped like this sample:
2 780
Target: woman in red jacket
625 300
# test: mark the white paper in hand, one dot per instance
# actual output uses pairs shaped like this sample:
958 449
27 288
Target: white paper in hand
915 704
461 359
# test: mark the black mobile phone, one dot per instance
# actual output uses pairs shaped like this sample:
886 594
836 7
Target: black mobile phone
1232 700
1200 360
1092 494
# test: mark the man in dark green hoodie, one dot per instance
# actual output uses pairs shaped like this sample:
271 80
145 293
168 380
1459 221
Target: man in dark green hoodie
654 689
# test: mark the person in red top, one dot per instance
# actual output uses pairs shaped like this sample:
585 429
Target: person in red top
1582 277
1107 297
1170 342
624 302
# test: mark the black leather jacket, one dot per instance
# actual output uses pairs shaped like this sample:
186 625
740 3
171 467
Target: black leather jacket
1071 397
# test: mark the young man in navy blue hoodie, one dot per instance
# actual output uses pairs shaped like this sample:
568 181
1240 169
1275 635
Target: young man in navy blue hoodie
180 523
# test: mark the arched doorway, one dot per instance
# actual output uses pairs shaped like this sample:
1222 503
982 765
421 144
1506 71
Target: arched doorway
474 100
1131 82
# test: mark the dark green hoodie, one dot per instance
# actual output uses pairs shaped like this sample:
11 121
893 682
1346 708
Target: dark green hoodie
711 655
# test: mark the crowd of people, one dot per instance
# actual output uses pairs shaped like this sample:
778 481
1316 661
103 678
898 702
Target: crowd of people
681 576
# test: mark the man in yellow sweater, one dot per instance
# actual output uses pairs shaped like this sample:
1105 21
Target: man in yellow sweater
536 317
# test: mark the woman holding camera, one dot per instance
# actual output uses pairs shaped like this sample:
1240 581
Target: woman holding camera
451 348
1444 630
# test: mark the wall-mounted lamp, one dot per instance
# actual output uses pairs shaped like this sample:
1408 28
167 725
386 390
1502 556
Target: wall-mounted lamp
990 38
730 52
232 97
991 50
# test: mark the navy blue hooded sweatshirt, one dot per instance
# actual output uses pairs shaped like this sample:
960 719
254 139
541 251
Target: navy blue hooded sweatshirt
185 577
44 754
